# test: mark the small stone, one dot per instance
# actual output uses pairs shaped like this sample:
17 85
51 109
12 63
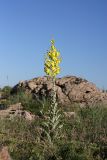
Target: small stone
4 154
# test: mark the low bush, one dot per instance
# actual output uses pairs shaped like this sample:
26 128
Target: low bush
6 91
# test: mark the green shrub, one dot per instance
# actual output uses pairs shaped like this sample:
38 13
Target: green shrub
6 91
69 151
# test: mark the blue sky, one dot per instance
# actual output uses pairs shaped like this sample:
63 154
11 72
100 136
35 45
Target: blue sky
79 28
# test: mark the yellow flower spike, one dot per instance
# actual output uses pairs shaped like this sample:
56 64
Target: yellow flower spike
52 61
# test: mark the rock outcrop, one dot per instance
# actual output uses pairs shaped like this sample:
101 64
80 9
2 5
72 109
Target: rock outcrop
16 110
70 90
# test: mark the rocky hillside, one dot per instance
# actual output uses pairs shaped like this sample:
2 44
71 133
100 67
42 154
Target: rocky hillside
70 89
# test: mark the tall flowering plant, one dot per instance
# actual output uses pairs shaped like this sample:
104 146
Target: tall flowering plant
52 69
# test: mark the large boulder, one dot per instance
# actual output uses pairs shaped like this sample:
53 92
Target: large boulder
69 89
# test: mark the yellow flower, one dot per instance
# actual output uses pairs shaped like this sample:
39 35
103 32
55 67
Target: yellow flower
48 63
57 54
47 71
52 63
